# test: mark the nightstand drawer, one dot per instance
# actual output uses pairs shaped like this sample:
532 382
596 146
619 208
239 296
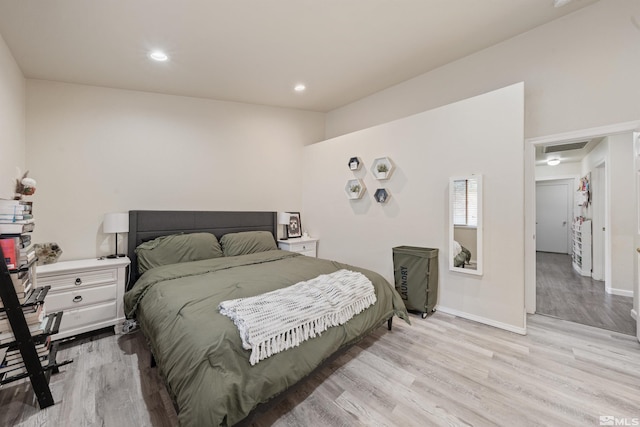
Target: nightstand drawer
302 247
72 319
79 297
80 279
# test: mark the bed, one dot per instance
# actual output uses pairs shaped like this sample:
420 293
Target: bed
198 350
461 255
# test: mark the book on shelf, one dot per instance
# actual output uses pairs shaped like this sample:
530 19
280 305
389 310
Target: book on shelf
16 209
10 251
15 255
19 277
16 221
14 217
6 203
32 315
11 356
25 240
22 298
42 350
17 227
27 255
23 290
38 328
10 367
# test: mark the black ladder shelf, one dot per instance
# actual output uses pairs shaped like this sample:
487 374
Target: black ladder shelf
37 373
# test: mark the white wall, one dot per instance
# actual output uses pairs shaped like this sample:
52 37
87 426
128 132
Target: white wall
427 149
561 171
12 121
617 152
96 150
623 213
580 72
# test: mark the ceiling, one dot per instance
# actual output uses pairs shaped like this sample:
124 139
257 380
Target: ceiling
563 152
256 50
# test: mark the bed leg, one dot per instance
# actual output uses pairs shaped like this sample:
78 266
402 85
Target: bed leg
389 322
153 361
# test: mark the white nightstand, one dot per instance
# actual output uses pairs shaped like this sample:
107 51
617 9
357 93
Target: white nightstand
302 245
89 291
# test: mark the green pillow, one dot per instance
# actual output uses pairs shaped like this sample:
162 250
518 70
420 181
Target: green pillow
247 242
177 248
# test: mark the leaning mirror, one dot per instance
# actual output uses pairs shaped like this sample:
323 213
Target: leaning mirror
465 224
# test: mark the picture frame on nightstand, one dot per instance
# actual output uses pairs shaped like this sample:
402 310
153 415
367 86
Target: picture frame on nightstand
295 225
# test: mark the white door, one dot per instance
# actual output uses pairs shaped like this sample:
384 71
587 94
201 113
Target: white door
552 221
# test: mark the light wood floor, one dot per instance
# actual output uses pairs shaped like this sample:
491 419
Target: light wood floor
563 293
440 371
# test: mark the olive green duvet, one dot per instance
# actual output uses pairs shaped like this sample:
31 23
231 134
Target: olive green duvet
199 351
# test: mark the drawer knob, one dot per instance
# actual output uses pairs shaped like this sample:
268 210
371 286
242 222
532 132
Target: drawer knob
304 247
78 281
77 298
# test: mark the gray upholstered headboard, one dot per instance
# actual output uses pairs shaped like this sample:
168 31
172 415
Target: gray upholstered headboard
147 225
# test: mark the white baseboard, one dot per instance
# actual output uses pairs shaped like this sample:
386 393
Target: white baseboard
620 292
484 320
634 314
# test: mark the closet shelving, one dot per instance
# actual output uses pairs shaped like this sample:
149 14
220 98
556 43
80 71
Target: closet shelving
23 341
582 247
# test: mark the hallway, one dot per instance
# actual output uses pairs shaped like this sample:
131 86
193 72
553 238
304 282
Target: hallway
563 293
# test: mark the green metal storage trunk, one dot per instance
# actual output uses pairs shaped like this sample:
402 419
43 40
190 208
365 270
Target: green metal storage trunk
415 271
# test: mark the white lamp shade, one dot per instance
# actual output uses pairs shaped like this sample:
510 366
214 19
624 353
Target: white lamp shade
283 218
116 223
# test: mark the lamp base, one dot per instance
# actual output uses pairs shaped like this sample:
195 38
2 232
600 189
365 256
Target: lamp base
112 256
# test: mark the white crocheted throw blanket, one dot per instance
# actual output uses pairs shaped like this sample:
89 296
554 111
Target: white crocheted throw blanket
284 318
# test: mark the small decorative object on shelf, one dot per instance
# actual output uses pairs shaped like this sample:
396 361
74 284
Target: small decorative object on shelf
354 163
25 186
355 189
47 253
382 168
381 195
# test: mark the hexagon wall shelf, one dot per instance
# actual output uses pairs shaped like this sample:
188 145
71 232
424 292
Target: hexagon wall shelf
382 195
354 163
355 189
382 168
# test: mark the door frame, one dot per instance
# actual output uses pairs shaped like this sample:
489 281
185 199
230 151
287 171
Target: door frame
530 198
600 184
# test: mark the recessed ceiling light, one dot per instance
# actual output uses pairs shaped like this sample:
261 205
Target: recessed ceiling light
553 162
158 55
299 87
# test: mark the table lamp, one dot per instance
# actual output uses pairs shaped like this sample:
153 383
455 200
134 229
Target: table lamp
116 223
283 219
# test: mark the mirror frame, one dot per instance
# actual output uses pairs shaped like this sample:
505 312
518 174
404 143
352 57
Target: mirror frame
479 248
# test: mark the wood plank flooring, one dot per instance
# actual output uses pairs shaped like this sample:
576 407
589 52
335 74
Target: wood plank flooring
442 370
563 293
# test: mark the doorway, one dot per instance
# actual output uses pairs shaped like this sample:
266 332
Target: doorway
599 173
